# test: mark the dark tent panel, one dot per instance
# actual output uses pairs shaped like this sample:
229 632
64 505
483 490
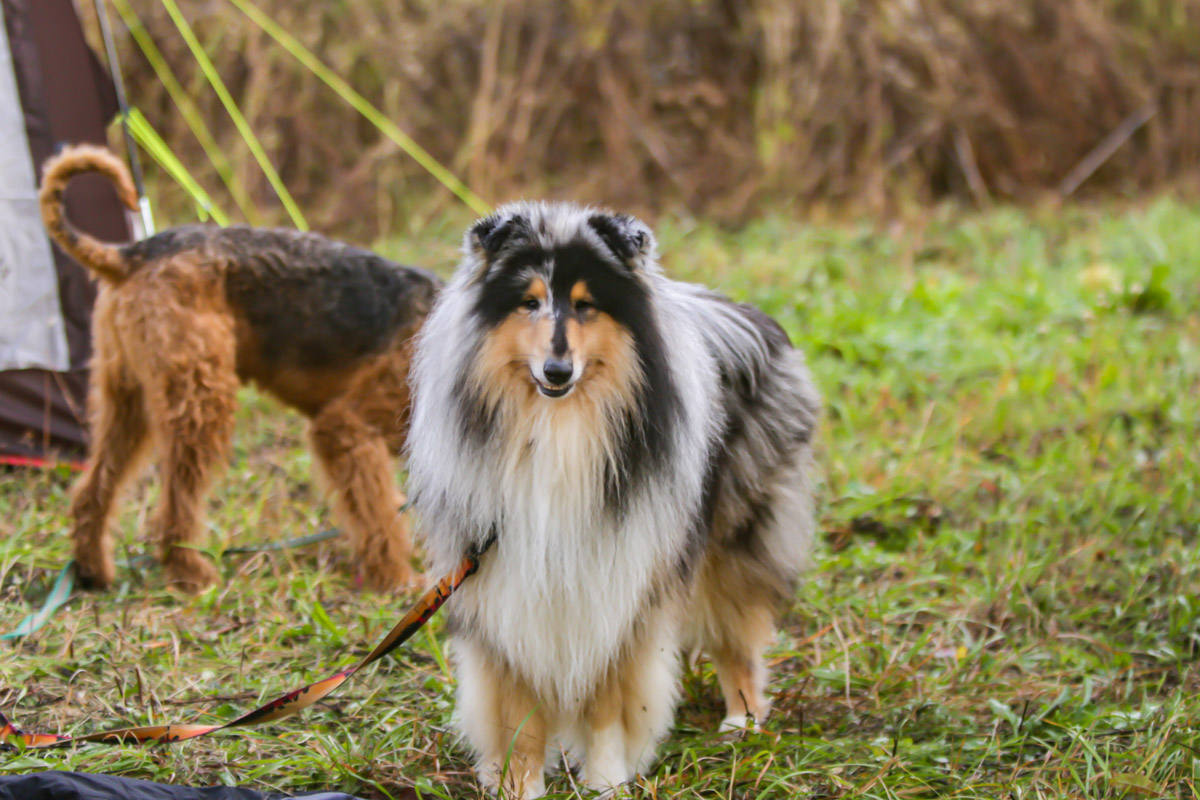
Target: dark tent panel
83 786
66 97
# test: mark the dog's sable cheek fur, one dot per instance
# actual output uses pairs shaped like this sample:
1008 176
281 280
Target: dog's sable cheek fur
642 447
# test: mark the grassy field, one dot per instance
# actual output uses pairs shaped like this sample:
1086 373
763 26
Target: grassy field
1005 602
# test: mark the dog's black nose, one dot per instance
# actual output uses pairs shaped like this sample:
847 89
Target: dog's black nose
557 372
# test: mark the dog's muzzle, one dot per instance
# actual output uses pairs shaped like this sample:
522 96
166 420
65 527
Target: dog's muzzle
556 378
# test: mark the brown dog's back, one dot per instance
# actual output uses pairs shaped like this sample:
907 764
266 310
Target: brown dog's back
309 311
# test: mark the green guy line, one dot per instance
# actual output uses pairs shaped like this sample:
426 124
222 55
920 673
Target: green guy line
235 113
363 106
188 110
145 135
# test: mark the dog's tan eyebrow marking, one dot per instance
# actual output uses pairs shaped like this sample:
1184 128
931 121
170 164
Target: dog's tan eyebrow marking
537 289
580 292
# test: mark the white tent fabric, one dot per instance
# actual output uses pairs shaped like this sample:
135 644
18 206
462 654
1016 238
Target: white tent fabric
32 331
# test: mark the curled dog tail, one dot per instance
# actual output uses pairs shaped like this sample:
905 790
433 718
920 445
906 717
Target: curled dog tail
103 259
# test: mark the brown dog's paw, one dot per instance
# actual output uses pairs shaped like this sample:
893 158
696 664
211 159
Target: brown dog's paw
96 574
189 570
392 578
418 582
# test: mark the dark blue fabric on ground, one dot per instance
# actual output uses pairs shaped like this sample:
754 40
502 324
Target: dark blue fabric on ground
82 786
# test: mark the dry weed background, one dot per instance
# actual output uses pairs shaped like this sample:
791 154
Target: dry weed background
722 109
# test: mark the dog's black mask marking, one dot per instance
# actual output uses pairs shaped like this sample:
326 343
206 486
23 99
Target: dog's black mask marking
645 435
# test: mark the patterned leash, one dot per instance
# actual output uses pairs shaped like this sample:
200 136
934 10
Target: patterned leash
281 707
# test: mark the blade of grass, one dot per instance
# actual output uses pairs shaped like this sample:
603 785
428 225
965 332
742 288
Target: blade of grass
188 110
363 106
235 113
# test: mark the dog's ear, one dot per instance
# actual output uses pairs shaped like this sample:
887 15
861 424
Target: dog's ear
488 237
629 239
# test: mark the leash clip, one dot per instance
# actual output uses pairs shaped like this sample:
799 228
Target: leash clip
476 551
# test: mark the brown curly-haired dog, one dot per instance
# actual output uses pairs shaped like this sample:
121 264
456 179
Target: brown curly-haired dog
183 317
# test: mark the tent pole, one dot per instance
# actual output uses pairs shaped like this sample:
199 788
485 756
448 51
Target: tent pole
114 69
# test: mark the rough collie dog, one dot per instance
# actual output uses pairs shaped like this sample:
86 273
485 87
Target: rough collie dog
641 447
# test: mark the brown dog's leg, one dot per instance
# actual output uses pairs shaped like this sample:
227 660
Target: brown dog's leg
358 469
192 410
192 453
119 438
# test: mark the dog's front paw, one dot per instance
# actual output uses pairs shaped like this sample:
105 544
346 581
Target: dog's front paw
95 572
607 776
392 578
189 570
517 785
736 722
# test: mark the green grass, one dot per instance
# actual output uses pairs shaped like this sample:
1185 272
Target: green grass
1005 603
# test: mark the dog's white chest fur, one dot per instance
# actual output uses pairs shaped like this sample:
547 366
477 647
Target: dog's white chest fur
561 591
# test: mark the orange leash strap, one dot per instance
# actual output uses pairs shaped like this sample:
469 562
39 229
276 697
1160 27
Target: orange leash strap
281 707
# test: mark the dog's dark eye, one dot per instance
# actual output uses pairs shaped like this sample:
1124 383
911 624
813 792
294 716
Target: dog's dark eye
583 305
531 304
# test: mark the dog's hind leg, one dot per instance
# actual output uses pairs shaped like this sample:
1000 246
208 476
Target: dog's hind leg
741 670
192 405
747 577
737 620
357 466
355 438
119 438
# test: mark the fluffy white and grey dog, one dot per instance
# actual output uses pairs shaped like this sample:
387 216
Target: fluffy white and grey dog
642 449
